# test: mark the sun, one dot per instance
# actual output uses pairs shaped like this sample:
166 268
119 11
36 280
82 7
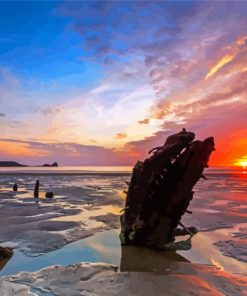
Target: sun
243 164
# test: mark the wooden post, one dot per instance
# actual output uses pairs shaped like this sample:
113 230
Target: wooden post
36 189
15 187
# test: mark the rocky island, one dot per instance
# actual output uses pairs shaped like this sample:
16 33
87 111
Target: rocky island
16 164
11 164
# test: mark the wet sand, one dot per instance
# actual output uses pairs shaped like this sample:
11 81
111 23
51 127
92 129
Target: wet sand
78 224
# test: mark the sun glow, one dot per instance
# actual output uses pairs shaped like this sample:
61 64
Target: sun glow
242 163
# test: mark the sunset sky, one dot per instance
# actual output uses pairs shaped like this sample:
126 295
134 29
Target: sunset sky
101 83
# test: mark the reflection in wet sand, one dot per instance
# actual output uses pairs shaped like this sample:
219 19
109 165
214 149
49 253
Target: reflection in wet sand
148 260
89 214
204 252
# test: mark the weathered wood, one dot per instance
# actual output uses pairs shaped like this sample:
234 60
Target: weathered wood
36 189
160 190
15 187
49 194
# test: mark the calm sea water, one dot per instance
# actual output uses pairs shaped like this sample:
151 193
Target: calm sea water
100 170
66 170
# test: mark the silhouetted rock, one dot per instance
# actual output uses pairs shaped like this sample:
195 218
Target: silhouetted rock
49 194
11 164
16 164
161 189
55 164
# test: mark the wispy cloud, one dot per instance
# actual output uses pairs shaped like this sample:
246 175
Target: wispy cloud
121 136
160 66
234 50
144 121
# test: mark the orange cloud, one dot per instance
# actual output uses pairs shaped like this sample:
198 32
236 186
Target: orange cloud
120 136
144 121
228 57
18 149
220 112
221 63
242 40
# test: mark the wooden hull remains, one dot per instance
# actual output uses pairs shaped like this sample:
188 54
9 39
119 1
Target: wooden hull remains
160 192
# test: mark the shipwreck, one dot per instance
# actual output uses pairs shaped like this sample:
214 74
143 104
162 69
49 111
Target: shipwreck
160 191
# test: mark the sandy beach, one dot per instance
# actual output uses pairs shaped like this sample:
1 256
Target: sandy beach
69 245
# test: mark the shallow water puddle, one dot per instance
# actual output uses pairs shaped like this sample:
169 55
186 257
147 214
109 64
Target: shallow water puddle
88 214
203 251
101 247
105 247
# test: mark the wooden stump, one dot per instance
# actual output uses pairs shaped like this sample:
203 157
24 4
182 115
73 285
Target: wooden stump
160 190
15 187
36 189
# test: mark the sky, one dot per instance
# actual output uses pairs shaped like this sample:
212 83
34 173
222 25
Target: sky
102 82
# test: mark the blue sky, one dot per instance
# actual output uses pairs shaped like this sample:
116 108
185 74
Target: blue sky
36 42
118 76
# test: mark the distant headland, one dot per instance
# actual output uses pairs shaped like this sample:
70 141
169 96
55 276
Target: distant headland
16 164
54 164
